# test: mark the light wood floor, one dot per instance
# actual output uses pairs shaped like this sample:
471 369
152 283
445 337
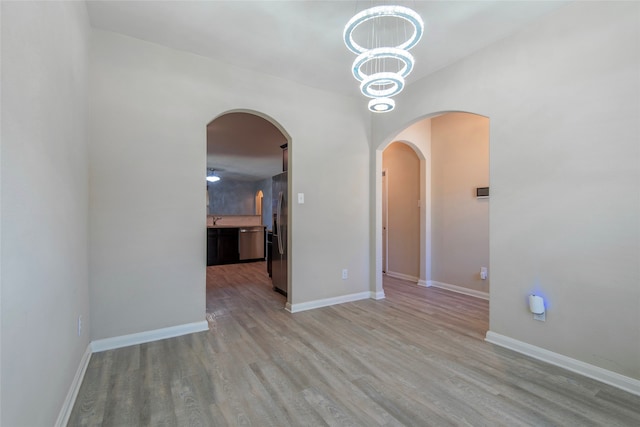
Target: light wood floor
416 358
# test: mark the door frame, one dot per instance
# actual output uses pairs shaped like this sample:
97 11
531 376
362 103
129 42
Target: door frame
385 221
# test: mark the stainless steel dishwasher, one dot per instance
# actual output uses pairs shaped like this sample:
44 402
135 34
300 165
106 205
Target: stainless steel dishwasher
251 242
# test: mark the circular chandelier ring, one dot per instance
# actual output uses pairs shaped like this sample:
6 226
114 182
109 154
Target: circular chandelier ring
382 79
382 53
381 105
382 11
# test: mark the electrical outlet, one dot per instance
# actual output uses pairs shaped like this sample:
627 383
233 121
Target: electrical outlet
541 317
483 273
345 274
79 325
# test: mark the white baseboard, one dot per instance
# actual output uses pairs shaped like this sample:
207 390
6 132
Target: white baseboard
424 283
72 394
296 308
614 379
458 289
403 276
377 295
148 336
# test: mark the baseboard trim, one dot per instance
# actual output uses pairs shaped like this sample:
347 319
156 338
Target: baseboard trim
148 336
377 295
304 306
458 289
611 378
72 394
403 276
424 283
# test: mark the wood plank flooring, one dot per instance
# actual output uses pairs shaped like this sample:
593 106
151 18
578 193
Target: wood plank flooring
416 358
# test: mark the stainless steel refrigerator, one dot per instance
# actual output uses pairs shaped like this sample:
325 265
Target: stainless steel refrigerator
280 228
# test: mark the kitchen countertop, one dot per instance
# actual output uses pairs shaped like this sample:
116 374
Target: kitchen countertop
234 226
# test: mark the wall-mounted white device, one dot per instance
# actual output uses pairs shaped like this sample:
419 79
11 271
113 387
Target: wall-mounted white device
483 273
536 306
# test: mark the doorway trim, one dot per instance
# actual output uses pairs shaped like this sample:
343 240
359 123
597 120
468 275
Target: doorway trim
424 226
385 221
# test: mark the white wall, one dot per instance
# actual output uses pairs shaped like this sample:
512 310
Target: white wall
563 99
149 109
44 210
460 220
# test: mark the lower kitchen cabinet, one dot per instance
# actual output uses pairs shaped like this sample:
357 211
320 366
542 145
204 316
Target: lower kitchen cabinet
222 246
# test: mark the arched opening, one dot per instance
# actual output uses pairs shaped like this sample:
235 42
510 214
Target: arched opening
401 209
453 149
244 149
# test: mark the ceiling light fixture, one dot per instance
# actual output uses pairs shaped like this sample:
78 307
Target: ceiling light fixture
384 62
381 105
380 12
404 57
211 176
388 84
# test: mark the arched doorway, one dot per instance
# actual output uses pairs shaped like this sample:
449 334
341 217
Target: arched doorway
258 204
401 209
454 227
244 150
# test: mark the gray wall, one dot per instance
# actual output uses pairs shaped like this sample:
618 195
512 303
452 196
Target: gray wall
44 214
231 197
149 105
563 100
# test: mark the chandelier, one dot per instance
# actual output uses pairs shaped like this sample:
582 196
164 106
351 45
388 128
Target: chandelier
383 59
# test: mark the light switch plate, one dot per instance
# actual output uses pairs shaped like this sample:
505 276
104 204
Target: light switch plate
300 198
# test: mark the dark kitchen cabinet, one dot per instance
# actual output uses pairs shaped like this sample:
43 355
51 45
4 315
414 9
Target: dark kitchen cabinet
222 246
228 252
212 246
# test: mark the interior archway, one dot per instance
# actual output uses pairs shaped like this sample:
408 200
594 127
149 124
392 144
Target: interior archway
244 147
259 200
402 208
418 135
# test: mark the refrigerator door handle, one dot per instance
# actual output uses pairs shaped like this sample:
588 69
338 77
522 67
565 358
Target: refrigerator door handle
278 212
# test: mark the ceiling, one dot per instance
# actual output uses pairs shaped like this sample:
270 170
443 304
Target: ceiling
244 147
302 40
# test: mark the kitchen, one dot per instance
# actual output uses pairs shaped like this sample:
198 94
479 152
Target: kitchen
247 162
